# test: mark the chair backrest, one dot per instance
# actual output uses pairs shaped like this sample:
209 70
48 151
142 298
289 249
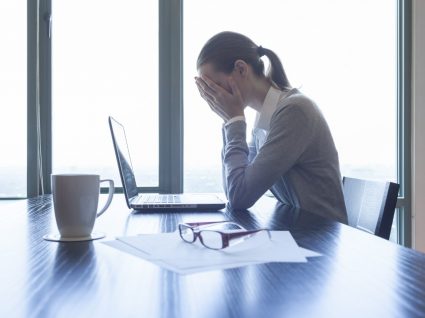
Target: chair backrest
370 205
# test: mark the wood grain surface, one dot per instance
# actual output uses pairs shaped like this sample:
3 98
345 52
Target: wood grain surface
359 275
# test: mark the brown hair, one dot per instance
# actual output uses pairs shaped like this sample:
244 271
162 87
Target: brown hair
225 48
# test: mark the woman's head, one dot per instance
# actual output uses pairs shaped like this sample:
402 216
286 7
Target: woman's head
225 49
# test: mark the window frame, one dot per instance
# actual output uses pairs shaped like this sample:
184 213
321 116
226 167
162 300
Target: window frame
404 89
38 13
170 98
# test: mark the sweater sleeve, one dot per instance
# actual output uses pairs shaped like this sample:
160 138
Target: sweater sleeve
290 133
252 153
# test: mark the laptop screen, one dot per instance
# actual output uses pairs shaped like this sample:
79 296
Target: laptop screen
123 158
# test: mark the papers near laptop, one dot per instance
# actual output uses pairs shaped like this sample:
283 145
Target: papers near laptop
169 251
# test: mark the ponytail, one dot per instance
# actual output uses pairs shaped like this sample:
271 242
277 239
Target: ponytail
275 72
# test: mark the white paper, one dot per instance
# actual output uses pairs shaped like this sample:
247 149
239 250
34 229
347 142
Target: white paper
310 253
168 250
172 267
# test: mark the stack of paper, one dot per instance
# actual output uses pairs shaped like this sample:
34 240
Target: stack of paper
168 250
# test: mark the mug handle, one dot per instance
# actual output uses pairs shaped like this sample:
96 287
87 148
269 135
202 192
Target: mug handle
110 195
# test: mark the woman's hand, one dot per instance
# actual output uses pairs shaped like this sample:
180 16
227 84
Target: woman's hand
224 103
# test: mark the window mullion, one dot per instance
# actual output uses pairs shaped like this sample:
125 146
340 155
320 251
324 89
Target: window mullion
403 121
43 77
170 96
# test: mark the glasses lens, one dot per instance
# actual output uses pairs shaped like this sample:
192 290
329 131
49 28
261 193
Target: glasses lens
212 239
186 233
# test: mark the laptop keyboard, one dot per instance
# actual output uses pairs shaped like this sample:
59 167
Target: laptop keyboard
159 198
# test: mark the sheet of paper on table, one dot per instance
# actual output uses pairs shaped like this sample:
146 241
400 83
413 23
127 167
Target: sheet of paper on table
169 251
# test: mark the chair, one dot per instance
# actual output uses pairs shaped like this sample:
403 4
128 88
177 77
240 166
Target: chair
370 205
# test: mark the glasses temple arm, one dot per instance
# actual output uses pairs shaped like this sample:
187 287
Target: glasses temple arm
205 223
239 234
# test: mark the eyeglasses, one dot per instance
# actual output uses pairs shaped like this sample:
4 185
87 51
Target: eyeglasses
215 239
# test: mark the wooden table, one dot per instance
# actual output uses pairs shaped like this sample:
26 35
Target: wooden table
359 275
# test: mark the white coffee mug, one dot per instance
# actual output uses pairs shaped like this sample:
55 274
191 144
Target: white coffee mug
75 199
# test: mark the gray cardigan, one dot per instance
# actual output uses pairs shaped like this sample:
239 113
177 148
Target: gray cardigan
296 159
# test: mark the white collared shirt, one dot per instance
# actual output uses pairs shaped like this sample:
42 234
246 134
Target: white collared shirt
233 119
263 118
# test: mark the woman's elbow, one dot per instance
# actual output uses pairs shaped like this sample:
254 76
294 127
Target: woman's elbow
236 203
240 196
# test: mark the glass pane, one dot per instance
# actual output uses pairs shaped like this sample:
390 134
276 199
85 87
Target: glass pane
105 62
212 239
394 235
13 98
347 67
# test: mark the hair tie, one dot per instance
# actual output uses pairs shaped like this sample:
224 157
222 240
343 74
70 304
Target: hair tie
261 51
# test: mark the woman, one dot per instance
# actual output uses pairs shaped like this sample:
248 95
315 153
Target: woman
292 152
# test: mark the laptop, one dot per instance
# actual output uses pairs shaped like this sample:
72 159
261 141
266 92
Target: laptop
152 201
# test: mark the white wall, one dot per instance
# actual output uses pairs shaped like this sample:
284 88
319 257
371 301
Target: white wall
418 126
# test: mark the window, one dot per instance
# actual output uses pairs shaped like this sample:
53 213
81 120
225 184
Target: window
105 62
347 67
13 99
107 59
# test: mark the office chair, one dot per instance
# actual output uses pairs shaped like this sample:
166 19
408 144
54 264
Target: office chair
370 205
